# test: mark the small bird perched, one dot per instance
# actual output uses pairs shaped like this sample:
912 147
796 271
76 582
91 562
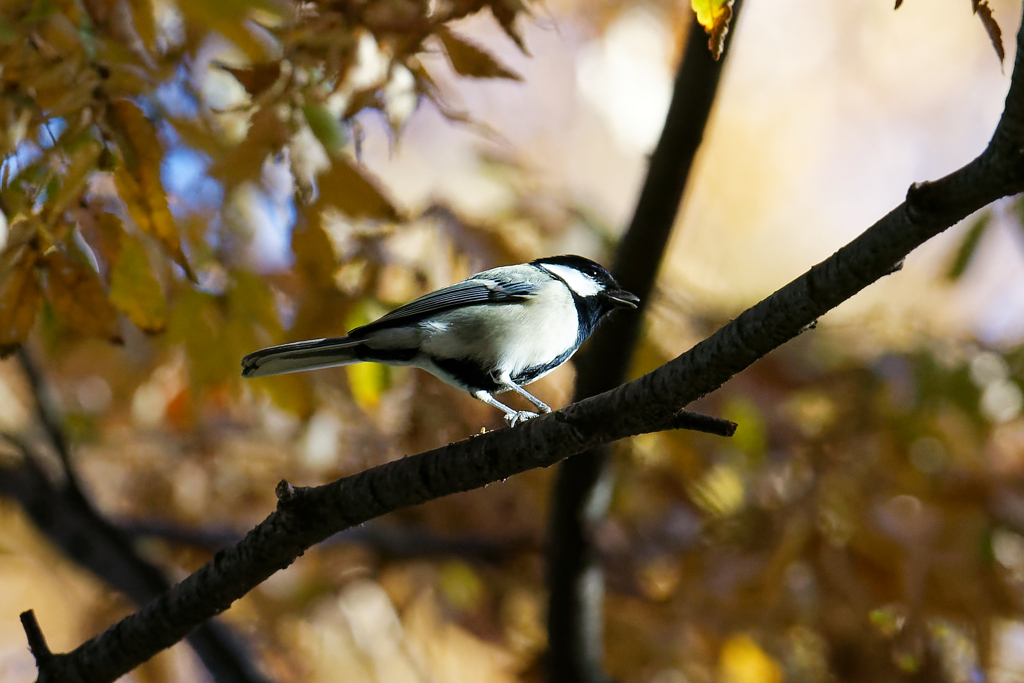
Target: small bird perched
493 332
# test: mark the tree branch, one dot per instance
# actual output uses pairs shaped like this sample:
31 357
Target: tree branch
36 639
67 517
310 515
579 500
86 538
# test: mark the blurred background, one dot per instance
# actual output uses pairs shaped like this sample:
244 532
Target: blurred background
179 181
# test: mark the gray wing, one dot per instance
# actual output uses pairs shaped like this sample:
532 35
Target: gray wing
466 293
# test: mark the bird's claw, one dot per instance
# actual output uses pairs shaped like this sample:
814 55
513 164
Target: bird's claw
512 419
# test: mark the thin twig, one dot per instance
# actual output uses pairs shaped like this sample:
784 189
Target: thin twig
699 422
36 639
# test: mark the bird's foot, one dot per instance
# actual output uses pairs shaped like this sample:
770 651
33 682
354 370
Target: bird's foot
512 419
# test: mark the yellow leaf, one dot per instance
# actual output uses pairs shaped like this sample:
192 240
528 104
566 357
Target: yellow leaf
714 16
231 18
352 192
742 661
267 135
368 382
83 162
469 59
20 299
251 300
138 180
145 22
197 322
290 392
77 295
134 289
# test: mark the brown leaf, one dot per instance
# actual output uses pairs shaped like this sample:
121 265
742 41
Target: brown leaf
898 3
145 22
714 16
77 295
257 78
314 255
995 34
134 289
138 179
353 192
20 299
267 135
469 59
102 232
506 11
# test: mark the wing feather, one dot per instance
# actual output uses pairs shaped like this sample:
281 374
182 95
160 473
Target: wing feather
466 293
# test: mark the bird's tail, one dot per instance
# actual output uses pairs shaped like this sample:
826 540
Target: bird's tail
302 355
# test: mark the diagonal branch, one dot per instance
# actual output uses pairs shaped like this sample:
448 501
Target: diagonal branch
72 524
308 515
69 519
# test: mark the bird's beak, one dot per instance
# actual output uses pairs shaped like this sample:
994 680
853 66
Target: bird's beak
622 299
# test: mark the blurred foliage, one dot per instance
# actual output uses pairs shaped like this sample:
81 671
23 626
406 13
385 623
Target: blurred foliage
865 523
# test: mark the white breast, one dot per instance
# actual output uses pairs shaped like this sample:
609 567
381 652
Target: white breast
510 338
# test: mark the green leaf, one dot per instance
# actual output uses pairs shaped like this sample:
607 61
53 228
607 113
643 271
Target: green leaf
968 247
134 289
325 127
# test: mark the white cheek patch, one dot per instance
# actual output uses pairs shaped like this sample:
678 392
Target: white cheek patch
582 284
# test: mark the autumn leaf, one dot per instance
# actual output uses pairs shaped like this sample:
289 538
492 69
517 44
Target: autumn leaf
314 255
325 127
469 59
743 661
352 192
267 135
506 11
134 289
145 22
20 299
231 19
714 16
83 162
995 34
368 381
138 180
77 295
257 78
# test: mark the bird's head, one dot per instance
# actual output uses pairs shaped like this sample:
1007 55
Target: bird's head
590 282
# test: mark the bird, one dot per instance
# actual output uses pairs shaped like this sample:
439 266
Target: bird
494 332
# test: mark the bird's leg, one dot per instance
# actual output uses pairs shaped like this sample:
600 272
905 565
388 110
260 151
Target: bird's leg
529 397
512 416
